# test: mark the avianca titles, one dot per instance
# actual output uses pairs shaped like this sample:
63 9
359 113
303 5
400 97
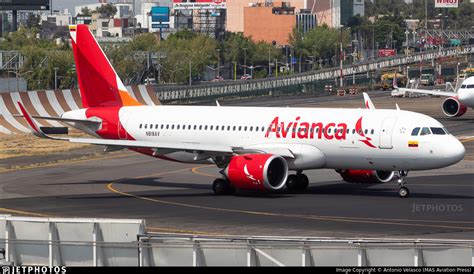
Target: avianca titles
255 147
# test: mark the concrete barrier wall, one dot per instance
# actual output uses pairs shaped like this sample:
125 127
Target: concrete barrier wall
125 242
53 103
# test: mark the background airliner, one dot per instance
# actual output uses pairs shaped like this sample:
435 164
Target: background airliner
255 147
457 102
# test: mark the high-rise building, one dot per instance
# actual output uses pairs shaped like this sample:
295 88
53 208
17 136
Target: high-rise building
274 22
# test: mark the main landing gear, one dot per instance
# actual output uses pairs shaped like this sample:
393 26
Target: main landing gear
298 182
403 191
222 187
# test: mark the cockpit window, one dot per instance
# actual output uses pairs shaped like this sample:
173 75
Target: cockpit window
425 131
463 86
469 86
415 131
438 131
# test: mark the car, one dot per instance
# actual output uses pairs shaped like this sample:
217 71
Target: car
217 79
150 81
246 77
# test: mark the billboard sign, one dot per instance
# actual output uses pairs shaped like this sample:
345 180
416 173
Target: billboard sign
198 4
24 4
446 3
159 14
386 52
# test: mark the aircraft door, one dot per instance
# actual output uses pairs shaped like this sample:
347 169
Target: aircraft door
386 133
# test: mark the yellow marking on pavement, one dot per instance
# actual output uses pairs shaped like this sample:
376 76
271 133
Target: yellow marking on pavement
64 163
8 210
467 140
294 216
195 170
180 231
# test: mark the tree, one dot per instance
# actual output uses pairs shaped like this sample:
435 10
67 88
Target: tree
107 10
85 11
321 42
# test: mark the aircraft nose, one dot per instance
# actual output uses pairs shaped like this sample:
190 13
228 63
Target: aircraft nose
454 150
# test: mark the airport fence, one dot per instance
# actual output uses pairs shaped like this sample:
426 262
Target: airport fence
301 81
125 242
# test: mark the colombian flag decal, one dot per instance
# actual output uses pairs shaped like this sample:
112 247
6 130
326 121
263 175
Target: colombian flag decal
412 143
72 28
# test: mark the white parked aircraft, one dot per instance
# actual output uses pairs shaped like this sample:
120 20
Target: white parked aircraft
457 102
255 147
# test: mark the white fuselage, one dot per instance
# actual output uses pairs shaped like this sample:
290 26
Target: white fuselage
318 137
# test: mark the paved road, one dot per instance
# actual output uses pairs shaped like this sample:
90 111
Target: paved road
175 197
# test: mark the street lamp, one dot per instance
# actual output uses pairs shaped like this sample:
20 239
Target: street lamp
218 62
245 60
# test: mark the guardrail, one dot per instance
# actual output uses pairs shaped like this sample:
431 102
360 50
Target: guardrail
175 250
171 93
70 241
125 242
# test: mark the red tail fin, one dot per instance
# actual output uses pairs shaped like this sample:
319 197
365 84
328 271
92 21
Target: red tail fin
99 84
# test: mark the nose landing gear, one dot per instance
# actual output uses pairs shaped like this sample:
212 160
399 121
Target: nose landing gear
403 191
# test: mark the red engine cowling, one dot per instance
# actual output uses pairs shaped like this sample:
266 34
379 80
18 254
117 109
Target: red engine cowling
257 171
366 175
453 108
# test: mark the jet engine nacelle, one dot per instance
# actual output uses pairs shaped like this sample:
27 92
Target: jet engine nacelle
366 175
257 171
453 108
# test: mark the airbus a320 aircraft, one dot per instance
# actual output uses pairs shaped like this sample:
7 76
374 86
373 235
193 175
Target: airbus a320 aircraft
457 102
255 147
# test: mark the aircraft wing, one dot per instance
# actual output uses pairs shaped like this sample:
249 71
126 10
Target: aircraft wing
158 147
427 91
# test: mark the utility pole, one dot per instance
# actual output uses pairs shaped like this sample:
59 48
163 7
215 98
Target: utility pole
340 63
56 78
426 14
269 63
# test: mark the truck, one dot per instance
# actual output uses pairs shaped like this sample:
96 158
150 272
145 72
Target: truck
427 80
387 80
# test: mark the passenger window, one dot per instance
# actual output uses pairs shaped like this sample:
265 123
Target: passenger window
140 126
172 127
200 127
177 127
245 128
251 128
353 131
228 128
146 125
415 131
211 127
205 127
233 128
195 127
240 128
425 131
162 126
372 131
438 131
366 131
